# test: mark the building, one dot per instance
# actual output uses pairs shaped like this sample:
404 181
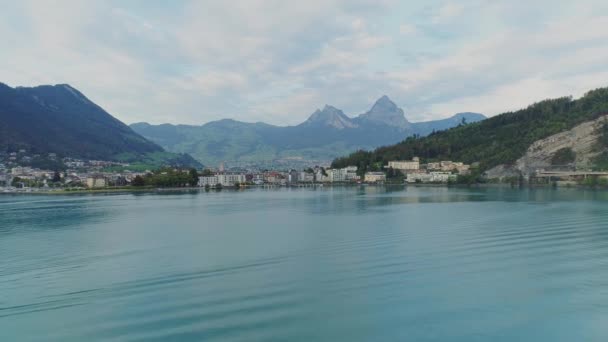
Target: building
293 176
222 179
454 166
429 177
404 165
97 181
306 177
375 177
207 181
231 179
347 174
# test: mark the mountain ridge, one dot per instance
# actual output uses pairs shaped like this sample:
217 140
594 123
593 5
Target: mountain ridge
324 135
60 119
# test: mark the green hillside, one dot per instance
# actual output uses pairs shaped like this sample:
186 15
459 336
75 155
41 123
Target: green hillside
501 139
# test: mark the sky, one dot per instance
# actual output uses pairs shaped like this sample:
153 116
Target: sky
276 61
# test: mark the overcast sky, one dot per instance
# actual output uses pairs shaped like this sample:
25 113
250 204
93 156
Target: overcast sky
277 61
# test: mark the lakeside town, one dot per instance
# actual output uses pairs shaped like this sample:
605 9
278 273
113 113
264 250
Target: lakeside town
19 173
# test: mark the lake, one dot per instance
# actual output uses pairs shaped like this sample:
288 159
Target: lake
333 264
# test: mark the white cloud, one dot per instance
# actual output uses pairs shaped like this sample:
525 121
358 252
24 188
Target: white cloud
277 61
447 12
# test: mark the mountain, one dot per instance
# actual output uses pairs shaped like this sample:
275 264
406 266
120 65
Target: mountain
500 140
385 112
329 117
326 134
426 128
60 119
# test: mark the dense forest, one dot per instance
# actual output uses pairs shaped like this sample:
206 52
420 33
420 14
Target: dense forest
501 139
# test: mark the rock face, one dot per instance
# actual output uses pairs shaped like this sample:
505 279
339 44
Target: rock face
582 139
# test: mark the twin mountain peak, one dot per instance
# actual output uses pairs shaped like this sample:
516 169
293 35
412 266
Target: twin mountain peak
384 112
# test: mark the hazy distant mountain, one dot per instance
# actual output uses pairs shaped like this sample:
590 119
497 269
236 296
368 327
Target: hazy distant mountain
426 128
385 112
59 119
329 116
326 134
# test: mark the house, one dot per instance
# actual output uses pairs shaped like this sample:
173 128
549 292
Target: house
374 177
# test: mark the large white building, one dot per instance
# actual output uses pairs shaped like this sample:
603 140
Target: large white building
223 179
346 174
207 180
404 165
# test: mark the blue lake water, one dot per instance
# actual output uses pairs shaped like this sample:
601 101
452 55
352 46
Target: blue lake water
341 264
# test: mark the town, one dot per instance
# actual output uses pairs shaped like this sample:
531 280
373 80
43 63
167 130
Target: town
22 172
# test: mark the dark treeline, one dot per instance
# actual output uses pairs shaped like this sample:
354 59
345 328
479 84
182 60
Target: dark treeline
501 139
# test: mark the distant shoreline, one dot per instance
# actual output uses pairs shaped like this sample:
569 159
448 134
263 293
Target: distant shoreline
315 186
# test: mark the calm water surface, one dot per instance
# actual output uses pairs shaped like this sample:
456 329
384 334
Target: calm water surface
352 264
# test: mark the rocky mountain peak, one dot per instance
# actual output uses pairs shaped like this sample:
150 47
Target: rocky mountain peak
385 111
330 116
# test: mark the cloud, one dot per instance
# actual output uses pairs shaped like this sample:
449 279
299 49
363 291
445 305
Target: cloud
407 29
447 11
254 60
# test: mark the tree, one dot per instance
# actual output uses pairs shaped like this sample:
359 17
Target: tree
193 177
56 177
207 173
15 182
138 181
563 156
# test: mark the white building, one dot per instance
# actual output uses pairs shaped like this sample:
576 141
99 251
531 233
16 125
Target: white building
346 174
207 180
375 177
430 177
223 179
404 165
231 180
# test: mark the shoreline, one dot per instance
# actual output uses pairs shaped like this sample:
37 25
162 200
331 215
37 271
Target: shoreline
273 186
